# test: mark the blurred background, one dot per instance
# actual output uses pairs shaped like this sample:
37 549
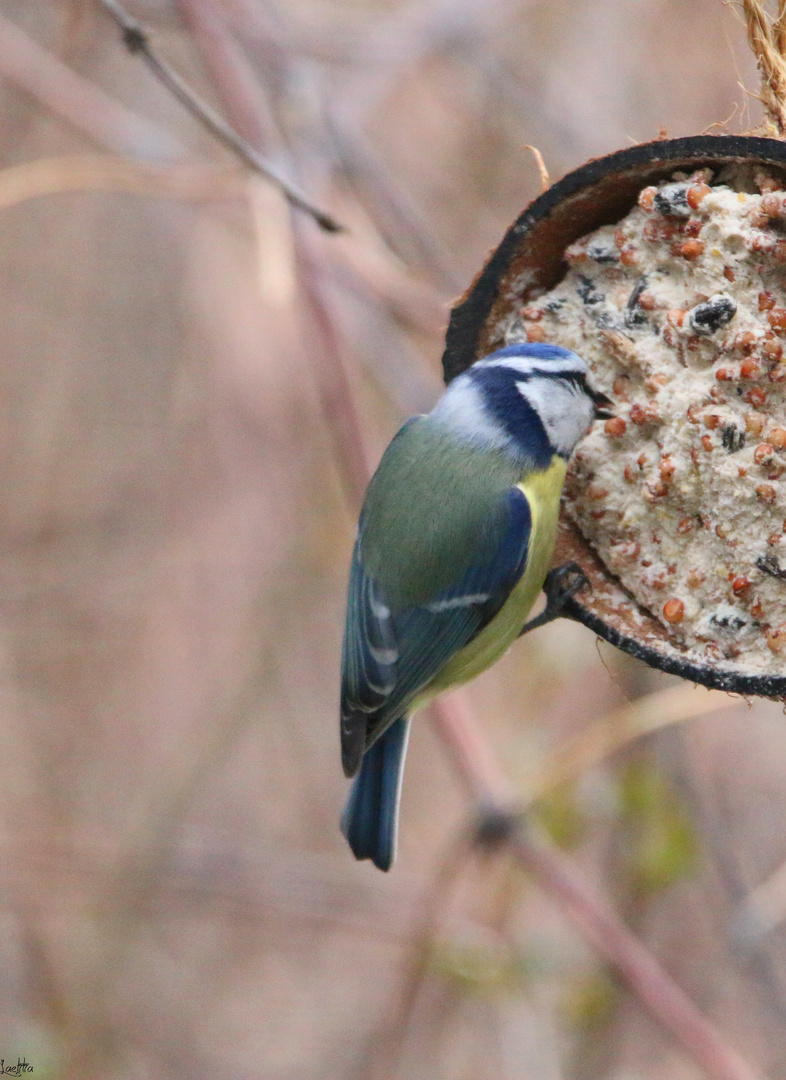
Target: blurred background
194 383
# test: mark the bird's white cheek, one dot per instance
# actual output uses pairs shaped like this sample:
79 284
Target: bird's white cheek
565 411
589 413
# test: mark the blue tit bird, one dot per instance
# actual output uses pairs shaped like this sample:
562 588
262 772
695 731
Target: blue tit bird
455 538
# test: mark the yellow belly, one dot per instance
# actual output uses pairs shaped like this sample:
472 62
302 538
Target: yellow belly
543 490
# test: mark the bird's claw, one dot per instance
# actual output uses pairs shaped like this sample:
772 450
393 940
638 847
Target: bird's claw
563 582
561 585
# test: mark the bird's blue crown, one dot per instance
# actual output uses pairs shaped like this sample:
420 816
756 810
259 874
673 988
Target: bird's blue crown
537 355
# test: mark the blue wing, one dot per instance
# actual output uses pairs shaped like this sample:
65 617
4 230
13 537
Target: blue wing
391 653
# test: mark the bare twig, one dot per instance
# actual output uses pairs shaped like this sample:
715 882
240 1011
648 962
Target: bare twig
764 909
397 214
331 375
665 1001
100 172
406 229
138 43
617 729
89 108
384 1049
228 69
767 38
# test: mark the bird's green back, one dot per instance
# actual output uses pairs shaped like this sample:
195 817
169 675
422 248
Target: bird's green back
454 494
429 536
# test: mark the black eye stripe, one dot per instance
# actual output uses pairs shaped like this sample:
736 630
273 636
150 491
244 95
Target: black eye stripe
578 380
575 378
540 373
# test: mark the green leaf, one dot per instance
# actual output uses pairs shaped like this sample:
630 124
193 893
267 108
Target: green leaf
482 970
561 816
662 845
590 1002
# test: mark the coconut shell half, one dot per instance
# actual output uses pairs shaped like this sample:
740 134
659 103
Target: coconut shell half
529 261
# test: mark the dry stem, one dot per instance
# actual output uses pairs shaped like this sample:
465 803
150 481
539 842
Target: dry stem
80 102
136 41
100 172
555 873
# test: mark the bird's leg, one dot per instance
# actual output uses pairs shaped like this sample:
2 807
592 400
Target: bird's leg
561 584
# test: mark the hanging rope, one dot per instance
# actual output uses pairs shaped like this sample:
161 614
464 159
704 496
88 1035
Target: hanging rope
767 38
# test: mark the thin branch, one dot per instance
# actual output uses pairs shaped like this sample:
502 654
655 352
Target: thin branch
138 43
654 987
100 172
347 149
228 68
616 729
80 102
763 910
383 1051
555 873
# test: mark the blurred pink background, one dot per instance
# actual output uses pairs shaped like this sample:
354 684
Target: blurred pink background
179 490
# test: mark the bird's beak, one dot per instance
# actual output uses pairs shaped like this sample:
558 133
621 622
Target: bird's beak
602 404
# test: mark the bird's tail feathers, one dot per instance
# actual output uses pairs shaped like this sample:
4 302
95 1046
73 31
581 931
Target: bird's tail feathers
370 819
